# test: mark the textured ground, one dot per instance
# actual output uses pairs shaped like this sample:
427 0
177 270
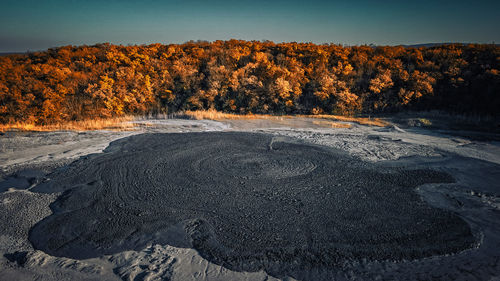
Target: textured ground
378 170
246 201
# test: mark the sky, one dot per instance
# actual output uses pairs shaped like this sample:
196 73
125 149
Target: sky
38 25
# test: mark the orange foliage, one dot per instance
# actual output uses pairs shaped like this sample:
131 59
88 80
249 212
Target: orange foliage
101 81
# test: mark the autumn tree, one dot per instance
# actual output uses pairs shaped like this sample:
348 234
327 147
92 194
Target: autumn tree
71 83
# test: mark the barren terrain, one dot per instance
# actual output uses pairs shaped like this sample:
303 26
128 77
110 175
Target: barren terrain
282 198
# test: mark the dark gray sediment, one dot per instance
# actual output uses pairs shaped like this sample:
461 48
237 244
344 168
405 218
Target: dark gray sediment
246 202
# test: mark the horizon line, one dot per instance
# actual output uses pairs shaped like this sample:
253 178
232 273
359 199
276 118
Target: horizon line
426 44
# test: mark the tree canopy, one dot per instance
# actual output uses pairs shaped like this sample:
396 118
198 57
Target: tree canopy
104 80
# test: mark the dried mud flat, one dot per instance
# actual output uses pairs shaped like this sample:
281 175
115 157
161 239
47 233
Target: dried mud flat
259 201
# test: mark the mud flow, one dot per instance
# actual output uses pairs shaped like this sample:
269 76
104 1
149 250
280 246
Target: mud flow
246 201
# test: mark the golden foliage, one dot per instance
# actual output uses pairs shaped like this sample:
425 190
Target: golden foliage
102 81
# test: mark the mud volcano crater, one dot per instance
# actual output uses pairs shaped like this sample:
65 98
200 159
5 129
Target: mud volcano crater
246 201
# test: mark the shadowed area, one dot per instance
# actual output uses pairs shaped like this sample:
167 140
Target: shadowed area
246 201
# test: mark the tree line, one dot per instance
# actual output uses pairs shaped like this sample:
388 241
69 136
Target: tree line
104 80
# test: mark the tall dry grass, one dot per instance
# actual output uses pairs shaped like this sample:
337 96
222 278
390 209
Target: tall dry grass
220 116
115 123
212 114
330 124
123 123
359 120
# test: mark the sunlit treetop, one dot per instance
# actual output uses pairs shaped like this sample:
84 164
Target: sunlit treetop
37 25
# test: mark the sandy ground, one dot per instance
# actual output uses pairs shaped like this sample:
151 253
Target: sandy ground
26 159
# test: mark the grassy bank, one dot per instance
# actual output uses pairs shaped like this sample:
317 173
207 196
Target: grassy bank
123 123
115 123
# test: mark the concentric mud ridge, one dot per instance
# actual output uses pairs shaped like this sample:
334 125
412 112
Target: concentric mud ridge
246 201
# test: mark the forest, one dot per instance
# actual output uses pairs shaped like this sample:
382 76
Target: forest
105 80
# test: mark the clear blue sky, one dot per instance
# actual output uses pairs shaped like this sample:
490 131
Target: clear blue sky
36 25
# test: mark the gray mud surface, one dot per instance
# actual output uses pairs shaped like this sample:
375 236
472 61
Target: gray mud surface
245 201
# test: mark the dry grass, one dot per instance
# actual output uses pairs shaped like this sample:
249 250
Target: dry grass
359 120
216 115
122 124
330 124
425 121
116 124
